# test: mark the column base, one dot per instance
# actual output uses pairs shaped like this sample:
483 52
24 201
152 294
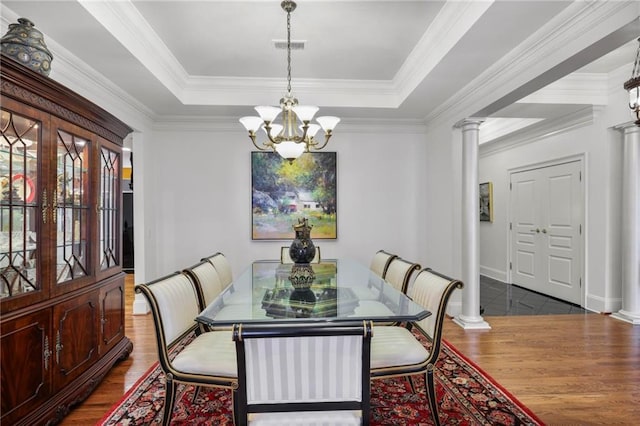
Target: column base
140 306
471 323
627 317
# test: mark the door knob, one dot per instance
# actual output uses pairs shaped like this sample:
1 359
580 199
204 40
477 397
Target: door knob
537 230
544 231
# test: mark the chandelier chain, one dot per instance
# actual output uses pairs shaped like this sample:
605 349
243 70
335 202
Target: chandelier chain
288 52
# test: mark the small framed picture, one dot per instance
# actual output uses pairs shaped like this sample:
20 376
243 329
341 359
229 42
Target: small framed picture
486 202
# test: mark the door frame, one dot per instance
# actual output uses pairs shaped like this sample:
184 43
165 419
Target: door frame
583 182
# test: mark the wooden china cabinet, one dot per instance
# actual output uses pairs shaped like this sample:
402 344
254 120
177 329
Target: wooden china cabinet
61 282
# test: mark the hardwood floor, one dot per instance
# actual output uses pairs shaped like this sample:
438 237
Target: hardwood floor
568 369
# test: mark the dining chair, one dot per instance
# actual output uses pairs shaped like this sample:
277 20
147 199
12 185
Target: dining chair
207 281
286 258
208 286
399 273
380 262
396 351
303 374
209 359
223 267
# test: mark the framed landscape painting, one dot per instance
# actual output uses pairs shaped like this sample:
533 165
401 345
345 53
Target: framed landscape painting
283 192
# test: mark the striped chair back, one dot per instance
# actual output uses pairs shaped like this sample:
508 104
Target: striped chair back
312 368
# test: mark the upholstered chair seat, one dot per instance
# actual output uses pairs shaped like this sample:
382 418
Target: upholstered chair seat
395 348
197 356
368 308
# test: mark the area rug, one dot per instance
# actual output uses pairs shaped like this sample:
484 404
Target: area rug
466 396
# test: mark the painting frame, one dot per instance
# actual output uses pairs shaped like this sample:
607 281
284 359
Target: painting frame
486 202
283 191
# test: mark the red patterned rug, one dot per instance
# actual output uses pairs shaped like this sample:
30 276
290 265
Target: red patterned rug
466 396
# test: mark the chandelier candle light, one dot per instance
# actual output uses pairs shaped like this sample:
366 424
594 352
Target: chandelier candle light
633 86
296 133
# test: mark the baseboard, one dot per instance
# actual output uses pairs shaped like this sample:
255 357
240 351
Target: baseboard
496 274
603 305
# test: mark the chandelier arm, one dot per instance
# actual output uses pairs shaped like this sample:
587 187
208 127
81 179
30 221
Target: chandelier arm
327 136
272 142
252 136
305 127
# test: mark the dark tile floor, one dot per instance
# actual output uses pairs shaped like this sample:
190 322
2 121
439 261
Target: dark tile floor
498 298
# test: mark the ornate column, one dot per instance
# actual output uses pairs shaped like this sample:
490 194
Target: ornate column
470 317
630 311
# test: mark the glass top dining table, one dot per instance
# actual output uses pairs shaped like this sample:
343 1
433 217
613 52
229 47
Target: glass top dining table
341 290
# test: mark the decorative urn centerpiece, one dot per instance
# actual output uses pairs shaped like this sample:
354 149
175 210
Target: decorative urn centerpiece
302 249
25 44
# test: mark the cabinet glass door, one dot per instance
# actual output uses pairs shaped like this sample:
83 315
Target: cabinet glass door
19 147
72 201
109 208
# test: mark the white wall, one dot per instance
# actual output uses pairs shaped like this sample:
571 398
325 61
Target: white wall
199 179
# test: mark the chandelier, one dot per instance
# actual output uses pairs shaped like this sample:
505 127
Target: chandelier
296 134
633 86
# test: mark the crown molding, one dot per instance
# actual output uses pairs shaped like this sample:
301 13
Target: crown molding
231 125
580 21
494 128
453 21
72 72
251 91
543 130
577 88
123 20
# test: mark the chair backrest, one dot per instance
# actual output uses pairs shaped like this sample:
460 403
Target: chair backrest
207 280
223 267
292 368
173 301
432 290
399 273
380 262
285 258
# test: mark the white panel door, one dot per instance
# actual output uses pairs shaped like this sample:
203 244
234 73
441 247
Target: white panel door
546 240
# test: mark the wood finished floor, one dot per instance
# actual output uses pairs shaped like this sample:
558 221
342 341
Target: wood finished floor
567 369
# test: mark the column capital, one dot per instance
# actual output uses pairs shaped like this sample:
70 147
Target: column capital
628 127
471 122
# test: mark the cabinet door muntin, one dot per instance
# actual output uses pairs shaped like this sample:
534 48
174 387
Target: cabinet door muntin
20 143
72 206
